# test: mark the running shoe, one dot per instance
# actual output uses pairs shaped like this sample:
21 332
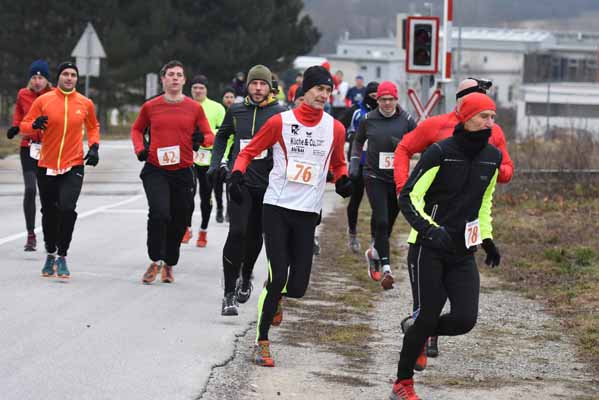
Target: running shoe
353 243
421 360
229 305
403 390
316 249
61 268
219 215
151 273
278 317
374 265
387 281
167 274
48 270
31 242
432 348
186 236
406 323
243 289
262 355
202 239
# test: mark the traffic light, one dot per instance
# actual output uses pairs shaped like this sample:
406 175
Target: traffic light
422 52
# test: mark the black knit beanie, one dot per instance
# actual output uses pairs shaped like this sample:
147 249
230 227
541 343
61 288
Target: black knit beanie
201 79
65 65
316 75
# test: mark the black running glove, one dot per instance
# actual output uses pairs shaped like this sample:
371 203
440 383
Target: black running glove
40 122
493 257
438 238
197 139
143 155
344 186
235 185
12 132
354 168
92 155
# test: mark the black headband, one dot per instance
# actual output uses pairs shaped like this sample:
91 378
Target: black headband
473 89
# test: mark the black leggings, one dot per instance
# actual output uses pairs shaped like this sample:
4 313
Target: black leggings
437 276
244 240
29 166
205 195
170 199
288 238
219 182
59 195
383 202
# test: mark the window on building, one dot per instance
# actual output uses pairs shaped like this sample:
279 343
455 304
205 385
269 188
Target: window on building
344 51
485 59
363 68
510 93
563 110
378 72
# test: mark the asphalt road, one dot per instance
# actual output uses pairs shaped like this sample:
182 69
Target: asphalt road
104 335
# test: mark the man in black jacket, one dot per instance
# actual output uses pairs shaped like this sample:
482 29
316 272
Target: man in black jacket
244 240
383 128
447 201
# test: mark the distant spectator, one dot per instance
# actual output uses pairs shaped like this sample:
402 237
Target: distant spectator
228 97
293 88
339 92
356 94
238 84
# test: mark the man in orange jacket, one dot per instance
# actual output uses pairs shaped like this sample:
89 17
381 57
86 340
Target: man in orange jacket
61 115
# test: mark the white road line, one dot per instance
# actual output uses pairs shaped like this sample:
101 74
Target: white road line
86 214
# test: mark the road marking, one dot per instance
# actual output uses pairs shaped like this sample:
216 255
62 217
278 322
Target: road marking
86 214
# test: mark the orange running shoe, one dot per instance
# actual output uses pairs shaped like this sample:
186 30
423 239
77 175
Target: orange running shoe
167 274
262 354
186 236
202 239
151 273
278 317
387 281
421 360
374 265
403 390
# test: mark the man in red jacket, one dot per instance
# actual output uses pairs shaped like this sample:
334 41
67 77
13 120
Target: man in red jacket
440 127
433 130
178 126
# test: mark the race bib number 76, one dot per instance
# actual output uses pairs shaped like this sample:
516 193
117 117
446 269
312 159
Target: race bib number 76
303 172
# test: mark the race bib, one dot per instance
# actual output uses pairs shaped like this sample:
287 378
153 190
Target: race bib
34 150
472 235
55 172
303 172
202 156
386 160
169 155
244 142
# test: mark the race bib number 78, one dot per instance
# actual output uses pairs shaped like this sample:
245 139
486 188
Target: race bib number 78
472 235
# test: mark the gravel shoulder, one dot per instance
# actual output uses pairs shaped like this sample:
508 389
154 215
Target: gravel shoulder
516 350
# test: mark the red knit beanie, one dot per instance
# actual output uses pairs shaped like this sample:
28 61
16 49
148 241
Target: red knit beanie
473 104
387 88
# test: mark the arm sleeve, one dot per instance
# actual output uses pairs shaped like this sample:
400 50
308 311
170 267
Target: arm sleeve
230 142
19 113
338 166
484 214
226 130
35 111
416 141
359 140
506 170
204 127
137 129
92 126
266 137
411 199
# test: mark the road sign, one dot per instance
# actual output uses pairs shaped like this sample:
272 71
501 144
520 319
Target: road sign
423 112
151 85
88 52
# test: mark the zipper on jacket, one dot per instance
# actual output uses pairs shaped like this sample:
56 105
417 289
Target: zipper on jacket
254 120
64 130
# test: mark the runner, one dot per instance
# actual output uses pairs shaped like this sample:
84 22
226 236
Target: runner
37 85
447 201
305 141
351 122
215 113
383 128
221 176
63 115
244 241
433 130
179 126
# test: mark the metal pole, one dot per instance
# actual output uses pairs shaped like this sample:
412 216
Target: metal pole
548 109
88 62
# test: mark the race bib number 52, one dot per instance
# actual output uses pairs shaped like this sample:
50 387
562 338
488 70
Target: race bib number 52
34 150
303 172
386 160
169 155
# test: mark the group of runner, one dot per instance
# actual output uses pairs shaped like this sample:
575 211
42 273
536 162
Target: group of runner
276 163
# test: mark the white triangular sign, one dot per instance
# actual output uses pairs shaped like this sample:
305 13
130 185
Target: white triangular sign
89 45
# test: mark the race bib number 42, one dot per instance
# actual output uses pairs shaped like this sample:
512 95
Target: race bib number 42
202 156
386 160
169 155
472 235
303 172
34 150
